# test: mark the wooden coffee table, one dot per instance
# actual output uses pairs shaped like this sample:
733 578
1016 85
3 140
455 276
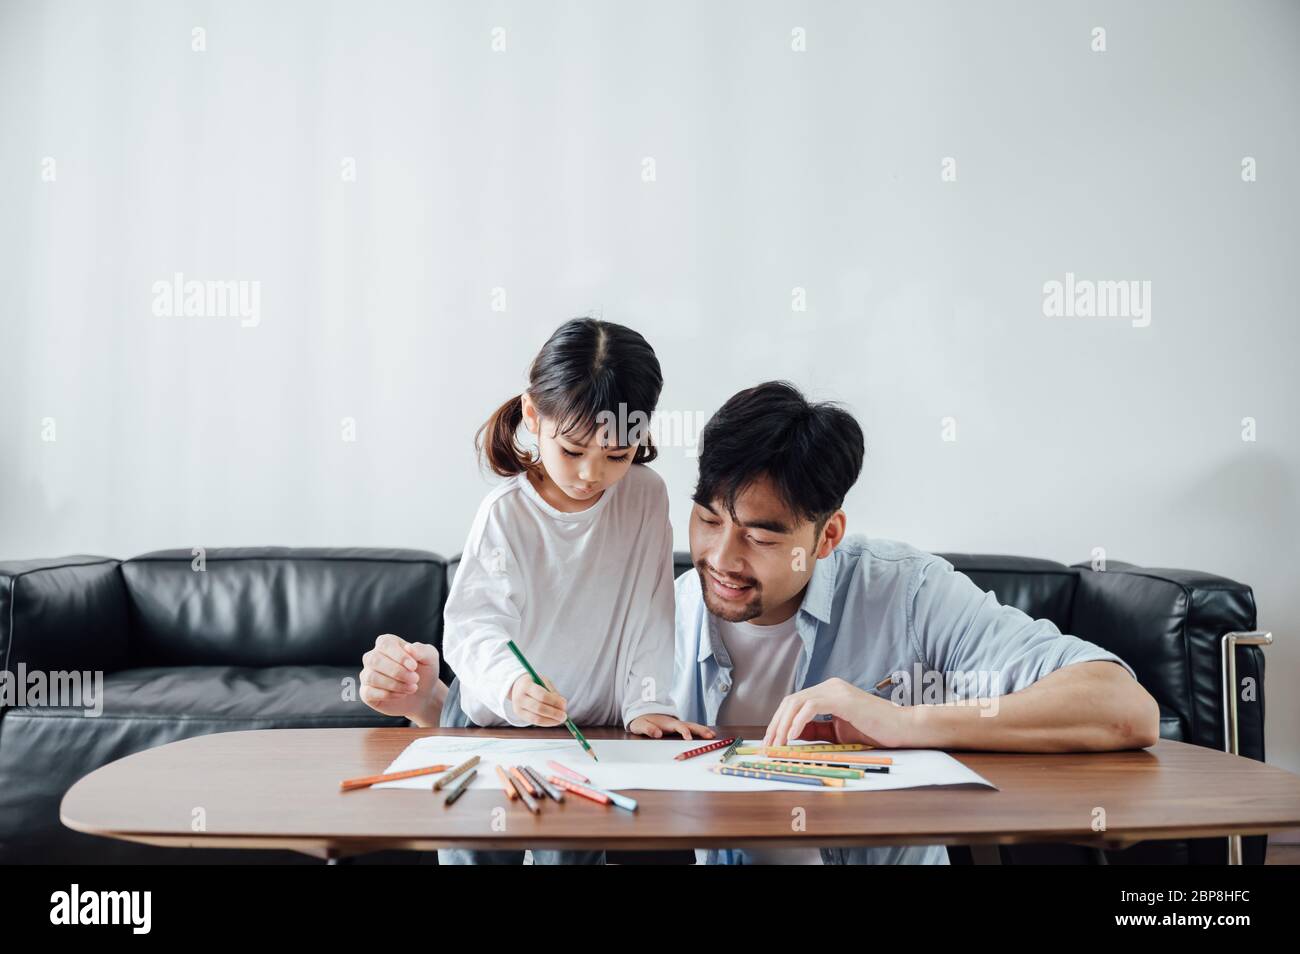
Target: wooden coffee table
279 788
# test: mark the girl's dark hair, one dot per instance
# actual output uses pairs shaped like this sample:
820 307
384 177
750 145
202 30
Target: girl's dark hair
811 452
585 368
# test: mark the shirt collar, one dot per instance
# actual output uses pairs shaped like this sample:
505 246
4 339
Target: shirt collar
820 595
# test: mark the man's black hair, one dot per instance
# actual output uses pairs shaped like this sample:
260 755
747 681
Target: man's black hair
812 453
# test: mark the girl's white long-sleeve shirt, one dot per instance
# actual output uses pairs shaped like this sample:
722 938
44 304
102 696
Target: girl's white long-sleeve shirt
587 596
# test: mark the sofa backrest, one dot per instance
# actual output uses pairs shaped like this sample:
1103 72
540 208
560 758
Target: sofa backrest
273 606
1043 589
63 613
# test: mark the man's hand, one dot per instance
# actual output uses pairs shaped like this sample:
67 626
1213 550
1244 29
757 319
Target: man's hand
1093 706
399 678
656 724
539 705
858 715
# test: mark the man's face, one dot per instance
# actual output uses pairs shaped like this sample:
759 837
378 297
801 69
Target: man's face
756 565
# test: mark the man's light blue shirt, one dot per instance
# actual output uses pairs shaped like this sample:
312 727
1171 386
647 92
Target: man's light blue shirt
875 609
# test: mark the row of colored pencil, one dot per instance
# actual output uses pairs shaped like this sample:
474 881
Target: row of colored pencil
530 786
815 752
787 772
819 764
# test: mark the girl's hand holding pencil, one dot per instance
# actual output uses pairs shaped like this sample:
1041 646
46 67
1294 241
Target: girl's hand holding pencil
541 705
540 681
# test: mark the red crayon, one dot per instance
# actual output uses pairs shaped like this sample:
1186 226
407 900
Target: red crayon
711 747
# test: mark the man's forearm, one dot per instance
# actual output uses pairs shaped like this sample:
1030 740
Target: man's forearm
1087 707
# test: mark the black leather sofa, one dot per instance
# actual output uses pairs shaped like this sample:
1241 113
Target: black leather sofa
272 637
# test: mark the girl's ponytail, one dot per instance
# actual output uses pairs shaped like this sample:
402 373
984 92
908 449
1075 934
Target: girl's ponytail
496 443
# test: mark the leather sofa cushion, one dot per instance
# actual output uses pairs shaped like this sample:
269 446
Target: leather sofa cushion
273 606
279 696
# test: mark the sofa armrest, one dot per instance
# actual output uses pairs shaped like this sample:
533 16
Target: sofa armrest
1169 626
63 614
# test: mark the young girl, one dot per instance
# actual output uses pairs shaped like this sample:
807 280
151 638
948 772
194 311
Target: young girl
571 557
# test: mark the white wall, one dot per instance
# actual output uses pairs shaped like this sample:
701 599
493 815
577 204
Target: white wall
523 169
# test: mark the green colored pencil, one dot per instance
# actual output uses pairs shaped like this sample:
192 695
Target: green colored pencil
568 723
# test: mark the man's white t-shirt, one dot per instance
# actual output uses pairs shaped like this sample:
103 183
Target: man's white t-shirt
763 660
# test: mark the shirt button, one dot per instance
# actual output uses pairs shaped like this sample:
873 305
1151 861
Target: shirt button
724 686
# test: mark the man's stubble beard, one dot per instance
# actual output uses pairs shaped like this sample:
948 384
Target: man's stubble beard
751 610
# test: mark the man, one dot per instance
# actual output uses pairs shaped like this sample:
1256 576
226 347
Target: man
786 620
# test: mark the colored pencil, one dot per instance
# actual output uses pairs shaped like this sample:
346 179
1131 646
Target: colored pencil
770 776
711 747
524 780
731 749
828 782
348 784
459 788
813 747
821 763
551 791
852 760
567 772
568 723
528 800
569 775
802 769
455 773
511 794
582 790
